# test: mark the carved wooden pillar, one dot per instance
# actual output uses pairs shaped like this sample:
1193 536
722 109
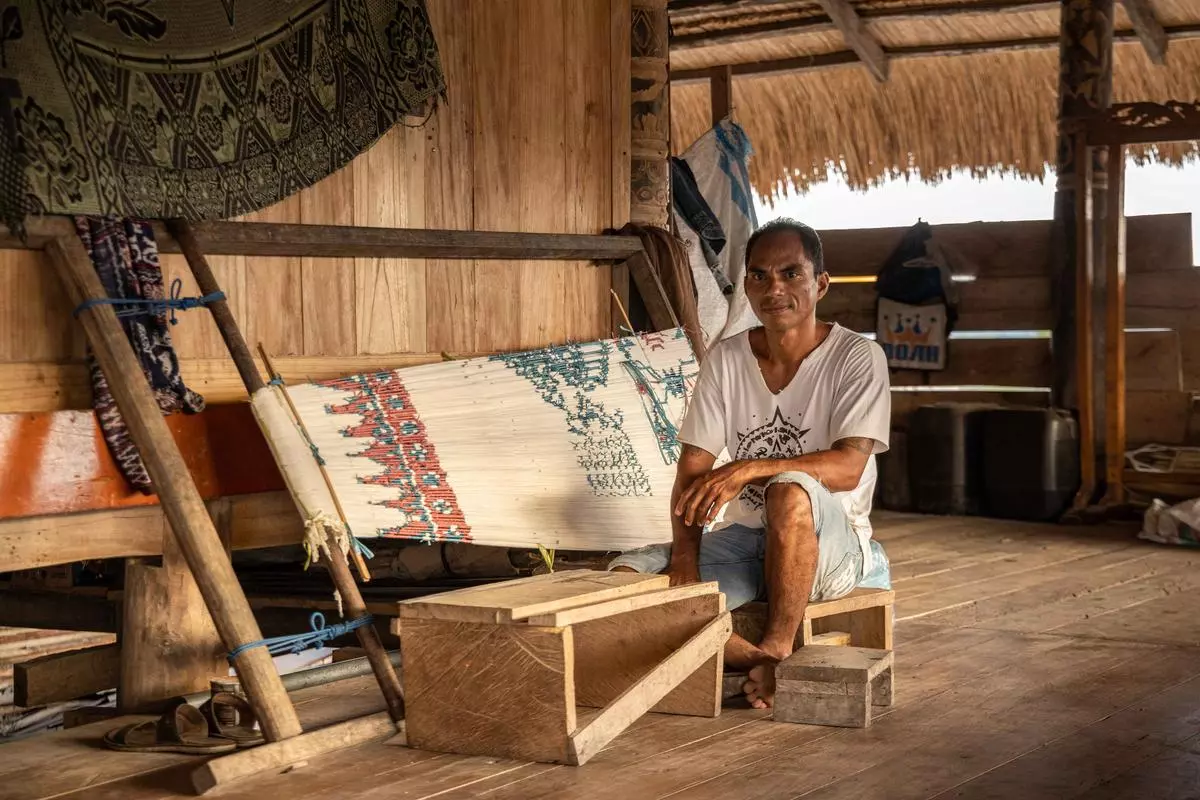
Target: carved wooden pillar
650 178
1085 87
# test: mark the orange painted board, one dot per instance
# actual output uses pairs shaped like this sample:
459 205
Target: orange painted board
58 462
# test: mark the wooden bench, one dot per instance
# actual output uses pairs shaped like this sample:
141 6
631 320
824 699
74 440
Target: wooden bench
863 618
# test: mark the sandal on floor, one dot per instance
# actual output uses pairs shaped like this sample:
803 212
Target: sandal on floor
181 729
230 717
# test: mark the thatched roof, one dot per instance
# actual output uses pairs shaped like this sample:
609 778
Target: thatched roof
935 112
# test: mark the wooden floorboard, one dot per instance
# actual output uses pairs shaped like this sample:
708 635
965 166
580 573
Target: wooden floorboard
1032 661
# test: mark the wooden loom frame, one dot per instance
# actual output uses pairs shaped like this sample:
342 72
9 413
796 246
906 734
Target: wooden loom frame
1120 125
191 525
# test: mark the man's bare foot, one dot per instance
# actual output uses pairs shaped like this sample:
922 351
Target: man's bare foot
760 686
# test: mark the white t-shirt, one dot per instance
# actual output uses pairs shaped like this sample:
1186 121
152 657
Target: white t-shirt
840 390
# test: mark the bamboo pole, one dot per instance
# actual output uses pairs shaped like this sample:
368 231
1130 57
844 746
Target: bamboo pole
339 569
181 502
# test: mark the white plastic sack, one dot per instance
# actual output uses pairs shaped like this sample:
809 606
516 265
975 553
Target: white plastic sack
1178 524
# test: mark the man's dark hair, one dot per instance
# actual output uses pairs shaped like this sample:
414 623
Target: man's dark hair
808 237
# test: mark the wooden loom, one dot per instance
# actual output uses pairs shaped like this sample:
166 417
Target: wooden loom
192 528
1122 124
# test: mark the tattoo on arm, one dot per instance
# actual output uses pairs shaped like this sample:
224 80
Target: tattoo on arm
860 444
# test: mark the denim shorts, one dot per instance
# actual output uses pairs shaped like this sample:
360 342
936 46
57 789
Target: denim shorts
733 556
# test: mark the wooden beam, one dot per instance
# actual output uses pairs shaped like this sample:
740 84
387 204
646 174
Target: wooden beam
185 510
268 519
685 11
1084 366
58 611
860 41
721 93
348 241
1141 123
66 676
799 64
1148 29
276 756
1114 371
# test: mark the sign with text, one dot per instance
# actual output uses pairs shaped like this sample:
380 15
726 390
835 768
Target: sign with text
912 337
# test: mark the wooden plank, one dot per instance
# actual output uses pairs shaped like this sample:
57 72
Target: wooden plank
987 303
278 756
468 688
35 314
1156 243
658 305
327 285
450 286
612 653
53 387
623 605
589 156
1157 417
66 676
649 690
390 293
619 112
498 172
542 203
1172 121
1114 331
988 362
524 598
1153 361
56 610
1148 29
275 324
847 21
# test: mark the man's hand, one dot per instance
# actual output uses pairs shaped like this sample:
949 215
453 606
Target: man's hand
700 502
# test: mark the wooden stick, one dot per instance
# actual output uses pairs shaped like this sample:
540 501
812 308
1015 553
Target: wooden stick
652 687
339 570
359 563
1114 372
254 760
181 502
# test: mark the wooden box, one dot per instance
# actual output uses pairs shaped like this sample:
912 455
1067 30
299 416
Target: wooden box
499 670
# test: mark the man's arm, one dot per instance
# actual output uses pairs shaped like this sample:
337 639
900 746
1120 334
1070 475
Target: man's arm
839 469
694 463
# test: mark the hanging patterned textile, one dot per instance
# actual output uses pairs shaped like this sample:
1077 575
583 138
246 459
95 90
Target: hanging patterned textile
198 108
565 447
125 256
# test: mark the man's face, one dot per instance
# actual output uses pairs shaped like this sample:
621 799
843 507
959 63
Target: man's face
780 284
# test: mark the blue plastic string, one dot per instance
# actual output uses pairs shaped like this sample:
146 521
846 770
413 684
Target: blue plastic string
299 642
139 306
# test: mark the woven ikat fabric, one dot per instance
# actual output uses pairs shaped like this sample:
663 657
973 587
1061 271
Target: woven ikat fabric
567 447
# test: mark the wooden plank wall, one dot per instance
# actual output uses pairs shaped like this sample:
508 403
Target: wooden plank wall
534 137
1010 291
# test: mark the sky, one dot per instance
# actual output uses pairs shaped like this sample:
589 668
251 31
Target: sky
1150 189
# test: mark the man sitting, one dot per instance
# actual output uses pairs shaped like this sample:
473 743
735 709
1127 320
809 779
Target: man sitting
802 407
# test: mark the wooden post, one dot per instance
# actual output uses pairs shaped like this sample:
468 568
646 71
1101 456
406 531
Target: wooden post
1085 364
190 523
1085 87
1115 319
650 175
339 569
168 643
721 91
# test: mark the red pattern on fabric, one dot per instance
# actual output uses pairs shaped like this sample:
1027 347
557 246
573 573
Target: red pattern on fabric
399 443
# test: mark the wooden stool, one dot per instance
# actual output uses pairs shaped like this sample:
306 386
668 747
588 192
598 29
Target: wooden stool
862 618
498 670
833 685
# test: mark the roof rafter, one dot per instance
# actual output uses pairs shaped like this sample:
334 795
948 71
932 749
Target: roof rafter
844 57
859 40
822 23
1148 29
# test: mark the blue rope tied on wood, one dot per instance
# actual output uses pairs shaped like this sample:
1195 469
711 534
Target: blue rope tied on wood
299 642
139 306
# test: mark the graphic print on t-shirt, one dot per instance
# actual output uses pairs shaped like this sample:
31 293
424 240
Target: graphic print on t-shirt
778 438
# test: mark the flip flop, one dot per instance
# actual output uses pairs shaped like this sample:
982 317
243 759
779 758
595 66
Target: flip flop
181 729
242 721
